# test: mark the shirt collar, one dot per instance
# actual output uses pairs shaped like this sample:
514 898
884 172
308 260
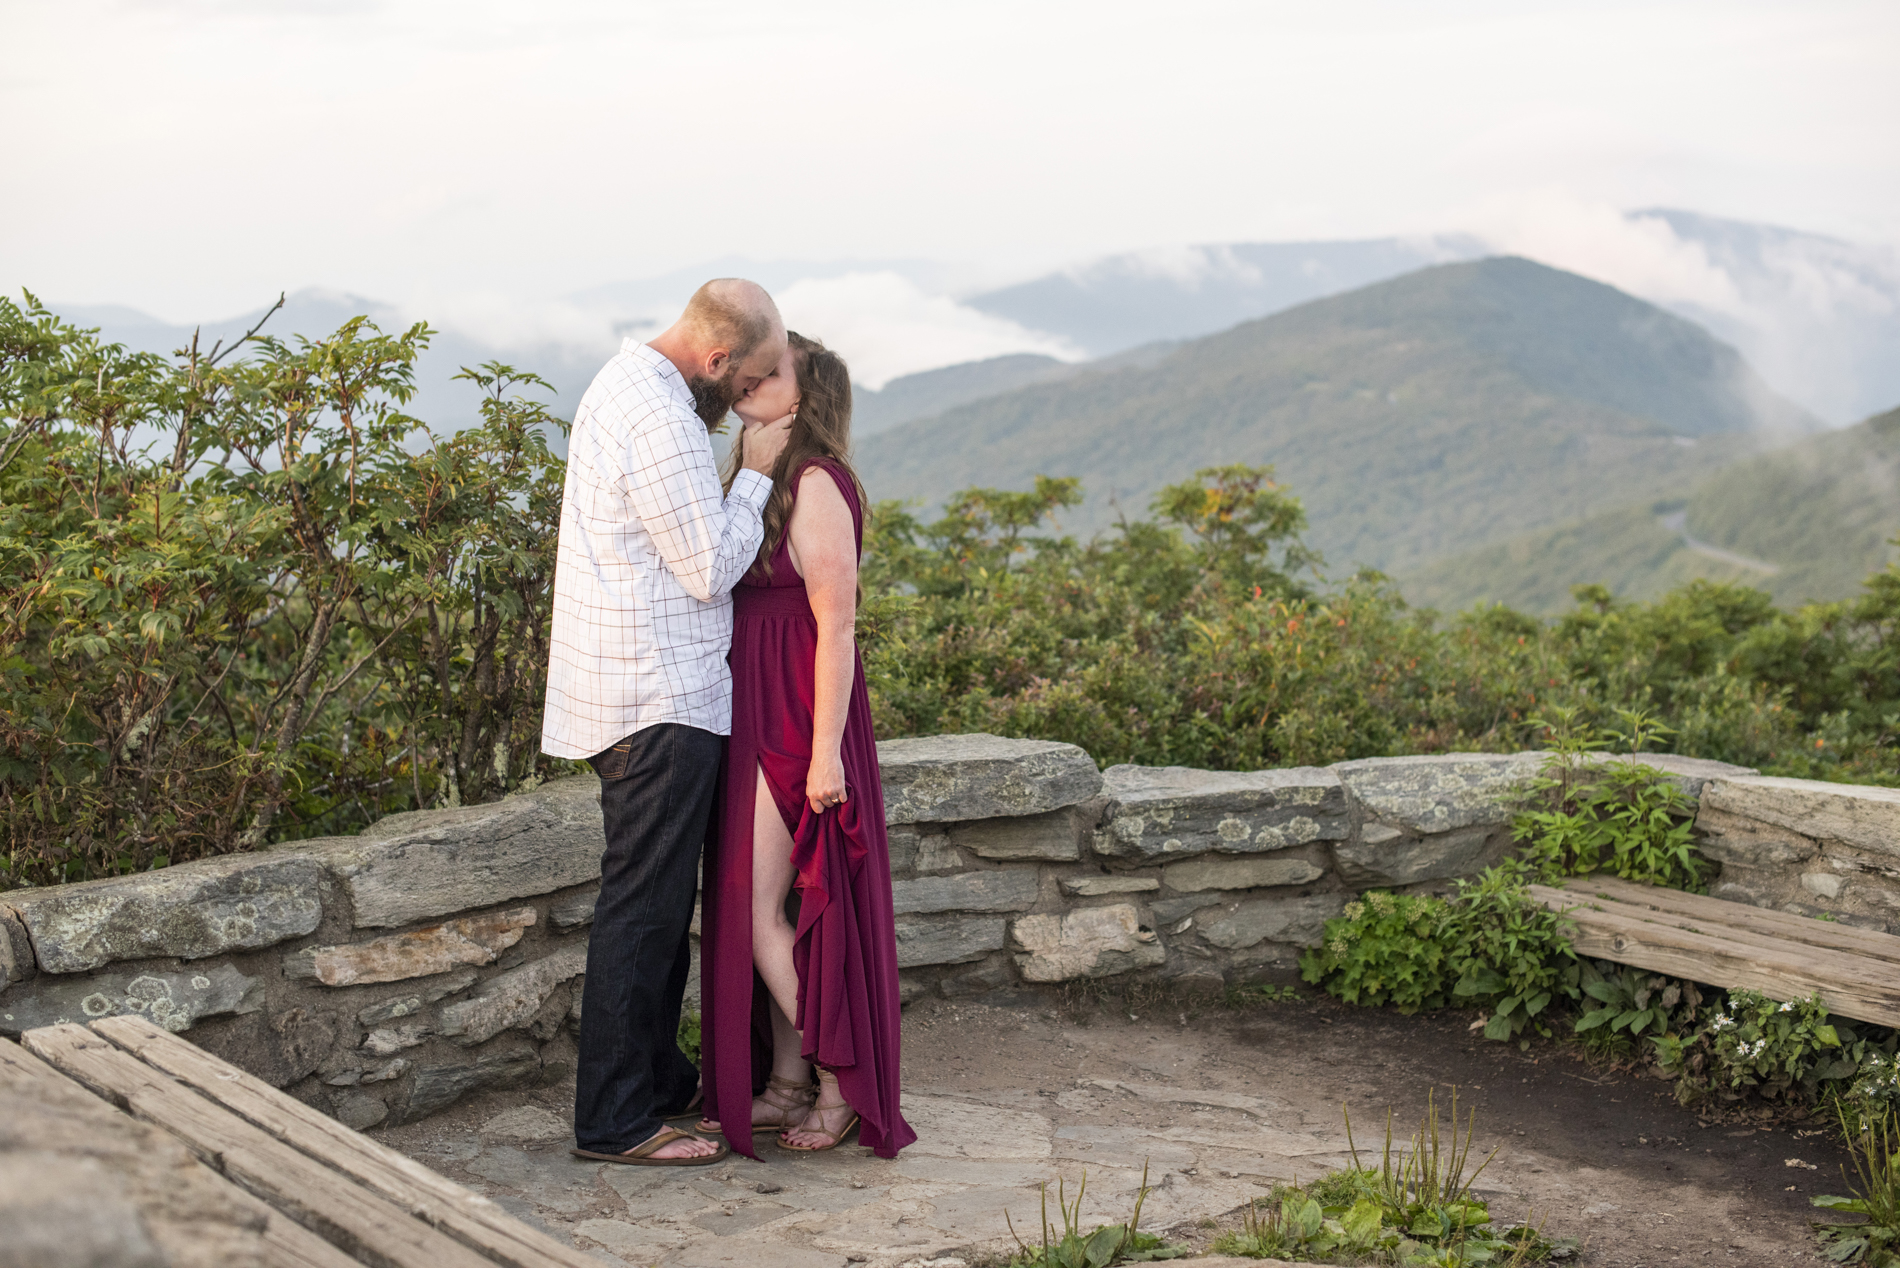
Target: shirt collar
660 366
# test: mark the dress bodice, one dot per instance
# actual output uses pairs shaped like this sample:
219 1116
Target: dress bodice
784 575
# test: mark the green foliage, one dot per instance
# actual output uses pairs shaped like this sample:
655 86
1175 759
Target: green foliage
1617 815
1780 1051
1628 1004
1416 1208
1107 1244
1490 945
1509 953
688 1036
250 598
1873 1240
1385 949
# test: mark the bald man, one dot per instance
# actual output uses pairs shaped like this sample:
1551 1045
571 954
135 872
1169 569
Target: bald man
650 549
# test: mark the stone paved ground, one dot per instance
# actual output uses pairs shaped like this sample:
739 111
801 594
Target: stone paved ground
1010 1093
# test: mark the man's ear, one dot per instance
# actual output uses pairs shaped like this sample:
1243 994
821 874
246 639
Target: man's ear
716 362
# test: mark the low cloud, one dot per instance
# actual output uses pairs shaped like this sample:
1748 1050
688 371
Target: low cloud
1640 255
885 325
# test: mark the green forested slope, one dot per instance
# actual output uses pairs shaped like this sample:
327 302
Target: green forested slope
1448 409
1825 509
1823 512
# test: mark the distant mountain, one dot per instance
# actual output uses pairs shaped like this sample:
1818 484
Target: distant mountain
1818 317
933 391
1810 521
1123 300
1457 406
313 313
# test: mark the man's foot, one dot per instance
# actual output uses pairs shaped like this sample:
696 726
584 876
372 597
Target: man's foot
685 1147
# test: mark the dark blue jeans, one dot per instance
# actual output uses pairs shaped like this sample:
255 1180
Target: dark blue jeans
656 795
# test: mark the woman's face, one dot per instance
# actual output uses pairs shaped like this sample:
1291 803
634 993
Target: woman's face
775 396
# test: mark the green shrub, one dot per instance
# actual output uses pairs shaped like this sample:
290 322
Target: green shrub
1631 1005
1490 945
1614 815
1509 952
1780 1051
1385 949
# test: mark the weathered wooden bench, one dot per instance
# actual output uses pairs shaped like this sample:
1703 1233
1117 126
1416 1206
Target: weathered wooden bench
1733 945
168 1155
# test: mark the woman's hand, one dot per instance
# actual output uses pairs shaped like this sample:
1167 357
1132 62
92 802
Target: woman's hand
824 782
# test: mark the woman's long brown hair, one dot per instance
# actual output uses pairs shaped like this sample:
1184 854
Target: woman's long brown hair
821 429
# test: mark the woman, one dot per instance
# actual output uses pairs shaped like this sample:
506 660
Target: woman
802 803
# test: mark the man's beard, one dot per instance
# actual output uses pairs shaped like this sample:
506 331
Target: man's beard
713 399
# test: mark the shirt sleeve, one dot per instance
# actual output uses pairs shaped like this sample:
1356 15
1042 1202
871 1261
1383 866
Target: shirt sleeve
706 538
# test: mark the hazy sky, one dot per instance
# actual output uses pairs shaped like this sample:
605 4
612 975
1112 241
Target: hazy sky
194 157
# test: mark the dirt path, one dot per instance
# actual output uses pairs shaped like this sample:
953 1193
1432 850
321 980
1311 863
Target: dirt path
1008 1093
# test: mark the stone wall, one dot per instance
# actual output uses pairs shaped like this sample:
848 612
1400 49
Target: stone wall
383 976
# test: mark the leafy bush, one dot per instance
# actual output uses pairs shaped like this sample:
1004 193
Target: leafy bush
1510 953
1633 1004
1780 1051
1385 949
1490 945
1616 815
244 599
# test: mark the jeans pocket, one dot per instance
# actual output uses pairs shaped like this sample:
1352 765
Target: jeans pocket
612 763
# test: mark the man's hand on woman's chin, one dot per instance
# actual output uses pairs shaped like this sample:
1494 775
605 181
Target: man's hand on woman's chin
763 443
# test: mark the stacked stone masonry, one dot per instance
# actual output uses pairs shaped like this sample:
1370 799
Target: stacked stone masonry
382 976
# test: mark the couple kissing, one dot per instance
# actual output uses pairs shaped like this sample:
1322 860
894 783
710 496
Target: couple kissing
703 660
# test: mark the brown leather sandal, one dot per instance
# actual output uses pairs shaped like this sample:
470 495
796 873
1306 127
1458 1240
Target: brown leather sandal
641 1155
801 1096
826 1081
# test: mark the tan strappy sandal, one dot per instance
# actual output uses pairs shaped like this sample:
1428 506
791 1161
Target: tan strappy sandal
777 1092
826 1081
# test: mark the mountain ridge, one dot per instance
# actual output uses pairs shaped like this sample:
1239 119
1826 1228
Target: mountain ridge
1412 416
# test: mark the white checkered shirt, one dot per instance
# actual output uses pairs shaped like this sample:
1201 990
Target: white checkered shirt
649 552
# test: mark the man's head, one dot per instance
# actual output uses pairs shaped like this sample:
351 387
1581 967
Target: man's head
729 337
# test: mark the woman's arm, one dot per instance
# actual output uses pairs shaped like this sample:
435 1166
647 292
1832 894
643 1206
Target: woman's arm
824 549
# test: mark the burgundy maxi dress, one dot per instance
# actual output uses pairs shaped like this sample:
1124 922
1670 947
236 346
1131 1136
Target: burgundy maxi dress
846 949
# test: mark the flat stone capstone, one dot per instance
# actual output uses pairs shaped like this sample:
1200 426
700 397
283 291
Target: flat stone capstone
1854 815
1161 812
428 863
208 907
1441 792
939 778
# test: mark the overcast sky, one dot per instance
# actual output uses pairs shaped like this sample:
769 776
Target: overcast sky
195 157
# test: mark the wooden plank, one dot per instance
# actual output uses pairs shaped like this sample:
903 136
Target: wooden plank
198 1218
1819 933
1823 962
433 1198
1721 961
357 1221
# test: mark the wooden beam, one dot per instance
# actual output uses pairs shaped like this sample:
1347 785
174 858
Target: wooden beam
194 1214
437 1200
1860 989
349 1216
1839 965
1783 924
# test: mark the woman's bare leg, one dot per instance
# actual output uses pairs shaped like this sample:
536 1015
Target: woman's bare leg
772 939
772 934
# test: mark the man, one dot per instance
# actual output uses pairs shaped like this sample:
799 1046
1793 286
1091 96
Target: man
637 684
